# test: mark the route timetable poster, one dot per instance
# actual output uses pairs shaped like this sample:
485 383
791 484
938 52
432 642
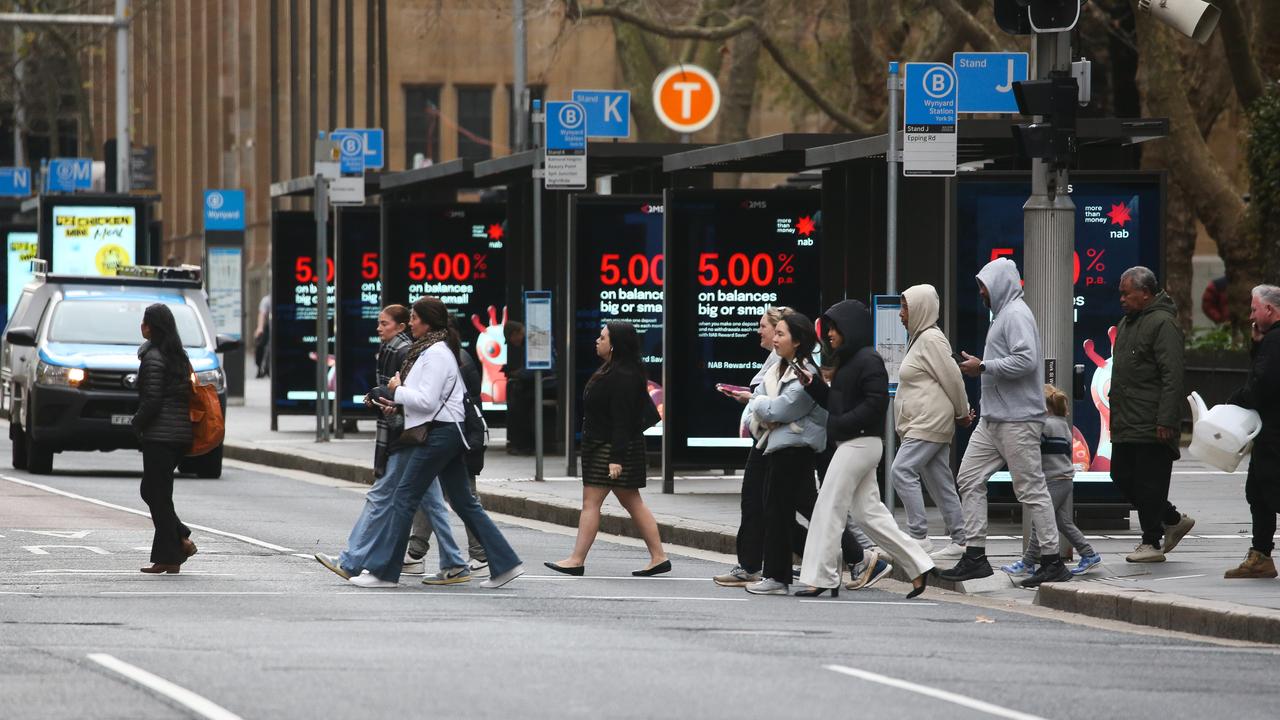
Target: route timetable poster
1118 225
93 240
733 254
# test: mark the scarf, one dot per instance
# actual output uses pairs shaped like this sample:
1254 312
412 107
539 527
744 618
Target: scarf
418 347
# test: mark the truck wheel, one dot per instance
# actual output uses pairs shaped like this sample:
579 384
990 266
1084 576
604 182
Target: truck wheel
207 466
18 444
39 457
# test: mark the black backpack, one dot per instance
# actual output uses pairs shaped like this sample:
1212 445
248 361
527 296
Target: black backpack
476 432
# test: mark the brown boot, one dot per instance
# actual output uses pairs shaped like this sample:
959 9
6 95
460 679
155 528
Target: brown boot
1255 565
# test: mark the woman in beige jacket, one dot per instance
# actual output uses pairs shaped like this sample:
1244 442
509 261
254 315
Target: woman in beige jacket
930 402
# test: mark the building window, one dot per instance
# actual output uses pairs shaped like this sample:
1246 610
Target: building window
421 123
475 123
536 92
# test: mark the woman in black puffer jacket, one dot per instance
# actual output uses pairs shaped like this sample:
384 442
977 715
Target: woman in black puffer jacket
163 425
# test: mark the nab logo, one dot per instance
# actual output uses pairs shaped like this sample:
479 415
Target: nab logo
686 98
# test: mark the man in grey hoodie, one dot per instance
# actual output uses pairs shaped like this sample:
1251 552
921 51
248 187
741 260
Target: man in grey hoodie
1008 433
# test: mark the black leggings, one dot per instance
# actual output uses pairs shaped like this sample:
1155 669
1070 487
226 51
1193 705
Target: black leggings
158 464
789 488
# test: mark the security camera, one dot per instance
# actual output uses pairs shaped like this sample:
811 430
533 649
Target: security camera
1194 18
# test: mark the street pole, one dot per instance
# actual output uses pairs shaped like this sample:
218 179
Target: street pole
520 78
122 96
322 308
537 282
19 112
891 256
1049 228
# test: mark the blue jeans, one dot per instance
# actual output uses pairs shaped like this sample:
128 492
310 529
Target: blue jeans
438 514
377 508
441 457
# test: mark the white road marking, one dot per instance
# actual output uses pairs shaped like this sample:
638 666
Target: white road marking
1178 577
656 597
908 603
40 549
201 573
612 577
191 592
113 506
962 700
64 534
195 703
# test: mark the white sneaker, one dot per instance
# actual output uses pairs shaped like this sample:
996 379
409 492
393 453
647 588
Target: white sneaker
952 551
413 567
498 581
479 568
368 580
925 544
1145 553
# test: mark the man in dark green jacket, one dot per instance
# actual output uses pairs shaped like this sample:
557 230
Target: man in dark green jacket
1146 410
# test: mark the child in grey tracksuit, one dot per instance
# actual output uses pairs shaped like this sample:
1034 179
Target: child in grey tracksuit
1059 473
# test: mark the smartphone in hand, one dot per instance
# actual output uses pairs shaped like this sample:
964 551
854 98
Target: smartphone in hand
731 389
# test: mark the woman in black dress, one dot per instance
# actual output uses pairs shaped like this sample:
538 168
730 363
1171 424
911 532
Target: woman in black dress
613 447
163 424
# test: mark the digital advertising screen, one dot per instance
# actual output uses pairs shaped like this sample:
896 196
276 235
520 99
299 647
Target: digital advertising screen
457 253
20 248
359 293
618 270
731 255
94 239
295 283
1119 224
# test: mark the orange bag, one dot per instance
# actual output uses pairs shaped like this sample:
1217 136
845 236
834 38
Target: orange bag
207 425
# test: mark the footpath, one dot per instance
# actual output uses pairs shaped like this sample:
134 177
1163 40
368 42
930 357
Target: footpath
1187 593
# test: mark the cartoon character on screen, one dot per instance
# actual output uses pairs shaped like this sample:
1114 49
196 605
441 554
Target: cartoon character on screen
658 397
491 351
332 360
1100 389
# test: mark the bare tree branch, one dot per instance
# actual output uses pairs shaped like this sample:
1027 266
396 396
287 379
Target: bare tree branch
1235 41
963 22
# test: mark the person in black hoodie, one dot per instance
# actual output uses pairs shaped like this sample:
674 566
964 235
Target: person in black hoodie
856 403
163 424
1262 393
613 447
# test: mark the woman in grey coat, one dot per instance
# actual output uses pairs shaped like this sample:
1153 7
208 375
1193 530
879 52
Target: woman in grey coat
791 428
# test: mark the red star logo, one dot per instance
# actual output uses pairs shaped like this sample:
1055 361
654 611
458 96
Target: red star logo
1119 214
804 226
495 232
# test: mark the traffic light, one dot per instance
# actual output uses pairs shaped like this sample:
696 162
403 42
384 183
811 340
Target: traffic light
1024 17
1053 139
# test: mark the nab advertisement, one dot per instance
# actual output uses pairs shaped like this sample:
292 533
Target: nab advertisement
93 240
458 254
1119 223
618 273
295 299
359 301
733 254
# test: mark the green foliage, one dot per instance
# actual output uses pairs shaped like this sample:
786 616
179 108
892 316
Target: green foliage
1263 158
1219 337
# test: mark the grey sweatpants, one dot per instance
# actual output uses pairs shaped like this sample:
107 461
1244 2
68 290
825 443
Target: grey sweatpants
420 534
992 446
920 460
1060 491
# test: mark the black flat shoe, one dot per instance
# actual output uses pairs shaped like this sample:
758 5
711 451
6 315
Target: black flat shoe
662 567
566 569
817 592
924 583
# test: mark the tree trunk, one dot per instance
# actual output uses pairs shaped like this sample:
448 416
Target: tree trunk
740 87
1217 204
